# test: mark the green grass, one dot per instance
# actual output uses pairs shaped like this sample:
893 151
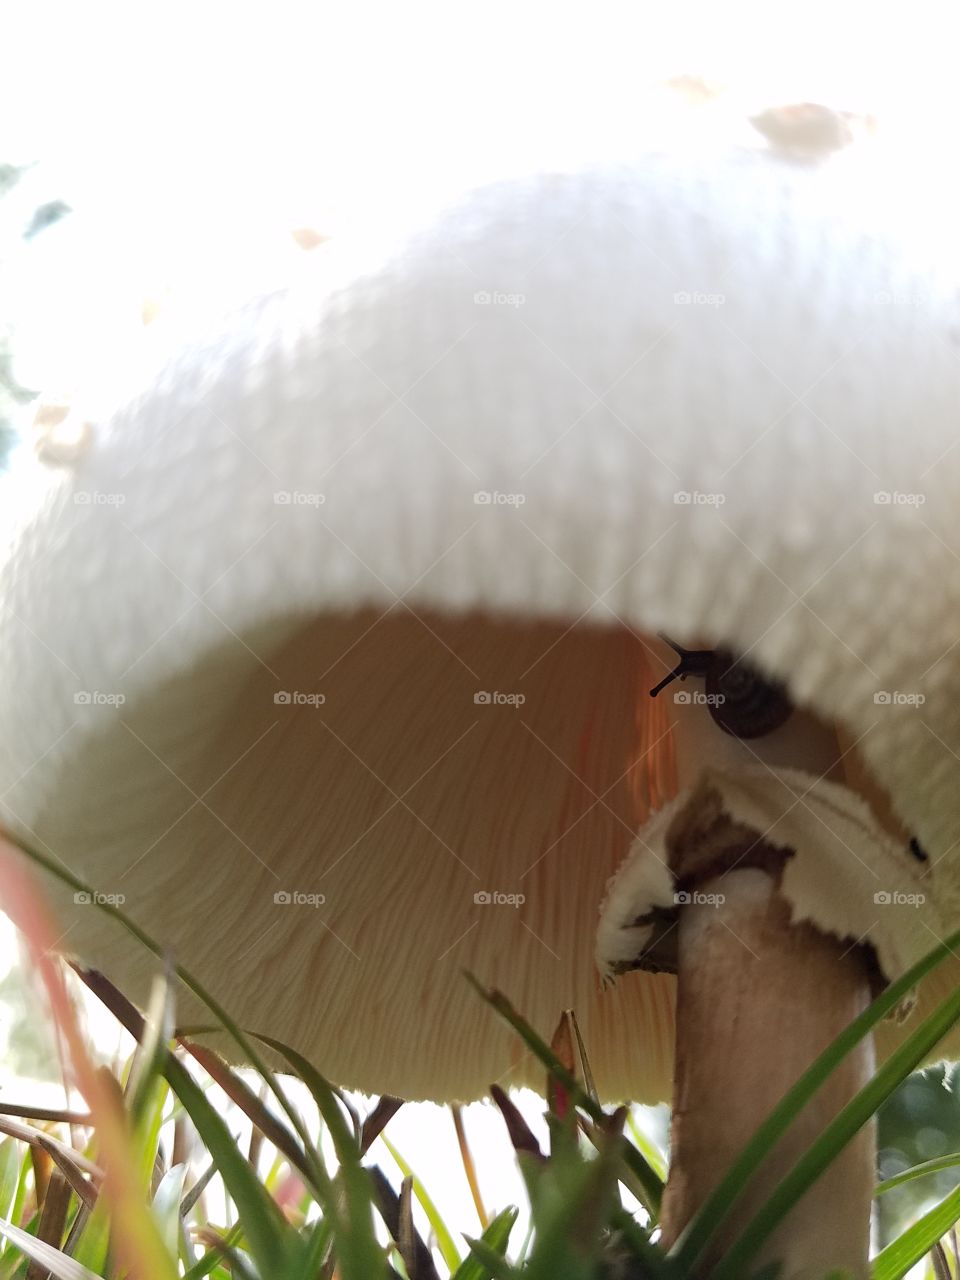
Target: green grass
104 1196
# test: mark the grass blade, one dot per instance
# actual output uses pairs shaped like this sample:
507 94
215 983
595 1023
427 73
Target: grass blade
838 1133
243 1041
897 1258
704 1224
359 1255
469 1168
57 1263
263 1223
395 1211
256 1111
496 1238
445 1242
651 1185
166 1206
918 1171
378 1119
494 1265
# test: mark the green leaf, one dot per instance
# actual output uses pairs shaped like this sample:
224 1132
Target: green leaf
359 1255
263 1224
656 1265
150 1054
574 1200
166 1207
212 1257
897 1258
918 1171
495 1265
497 1238
653 1156
57 1263
93 1247
9 1174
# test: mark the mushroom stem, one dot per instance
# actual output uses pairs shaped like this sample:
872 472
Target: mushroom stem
758 999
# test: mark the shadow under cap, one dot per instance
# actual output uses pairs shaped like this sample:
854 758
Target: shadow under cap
399 798
387 804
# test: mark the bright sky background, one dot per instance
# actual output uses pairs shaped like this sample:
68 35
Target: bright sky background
191 138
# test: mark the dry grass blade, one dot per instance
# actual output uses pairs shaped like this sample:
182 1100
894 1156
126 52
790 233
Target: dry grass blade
47 1115
377 1121
263 1223
196 1191
224 1249
213 1064
65 1157
43 1167
469 1167
521 1135
558 1098
644 1173
407 1233
938 1259
418 1259
127 1014
256 1133
86 1193
53 1221
588 1081
253 1108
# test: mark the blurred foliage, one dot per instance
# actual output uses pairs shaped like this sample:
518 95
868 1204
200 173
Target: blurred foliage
13 396
920 1122
29 1050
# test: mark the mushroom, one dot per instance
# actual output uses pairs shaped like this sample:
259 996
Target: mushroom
330 656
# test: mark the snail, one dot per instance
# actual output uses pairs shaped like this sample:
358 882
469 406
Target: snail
742 701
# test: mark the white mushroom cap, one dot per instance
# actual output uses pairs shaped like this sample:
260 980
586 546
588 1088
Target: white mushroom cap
569 412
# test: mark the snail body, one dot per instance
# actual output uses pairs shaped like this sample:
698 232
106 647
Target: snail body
742 701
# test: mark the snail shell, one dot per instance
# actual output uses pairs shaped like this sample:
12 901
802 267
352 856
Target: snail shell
742 701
